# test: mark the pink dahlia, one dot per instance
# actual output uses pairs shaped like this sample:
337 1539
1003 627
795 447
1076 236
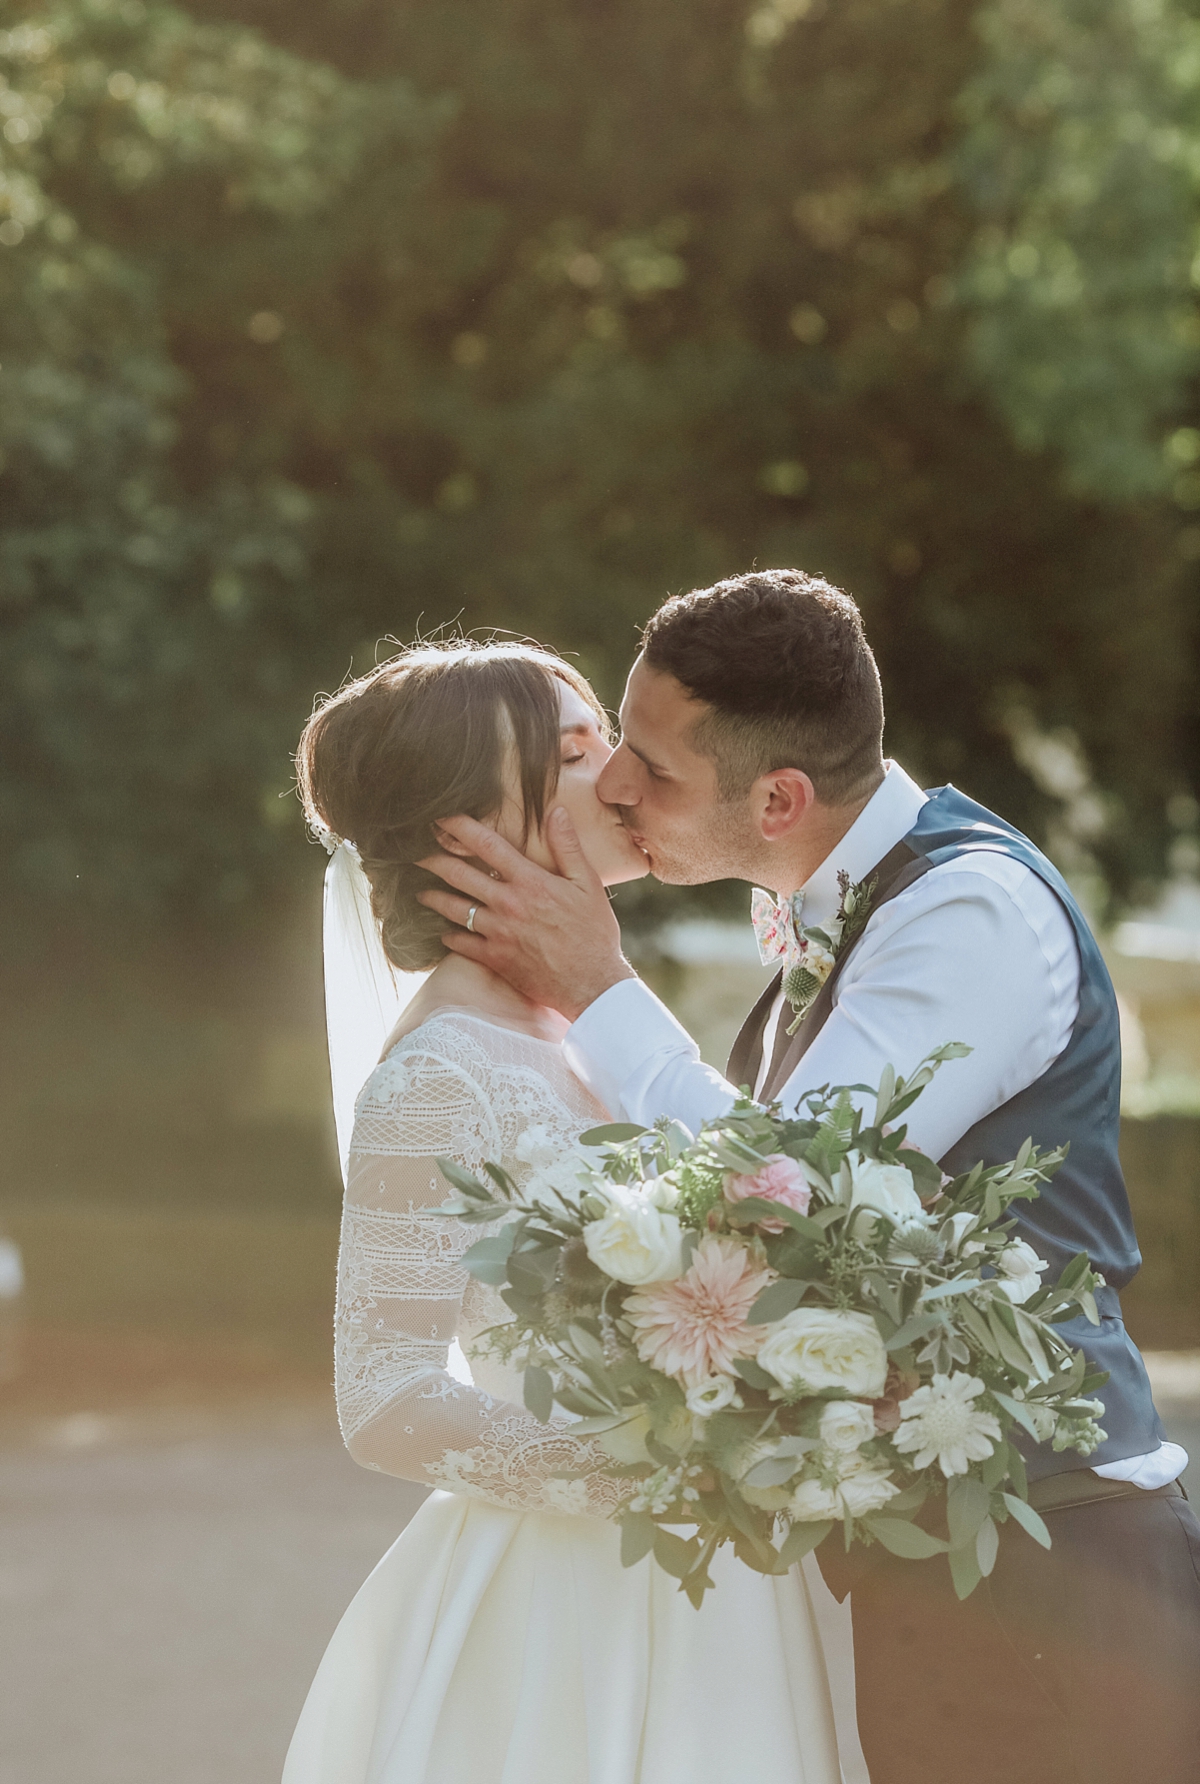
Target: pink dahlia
693 1328
780 1179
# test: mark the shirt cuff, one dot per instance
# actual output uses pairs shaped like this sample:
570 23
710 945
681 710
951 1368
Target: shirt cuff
1158 1469
619 1035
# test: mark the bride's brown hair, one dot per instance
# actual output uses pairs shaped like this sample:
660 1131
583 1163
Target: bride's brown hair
424 736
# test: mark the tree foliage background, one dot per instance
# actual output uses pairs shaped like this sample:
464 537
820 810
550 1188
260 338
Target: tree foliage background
327 319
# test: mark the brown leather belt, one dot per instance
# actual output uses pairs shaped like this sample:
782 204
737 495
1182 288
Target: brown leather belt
1079 1486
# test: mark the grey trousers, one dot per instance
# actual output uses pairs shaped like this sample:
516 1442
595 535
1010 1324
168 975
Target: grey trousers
1081 1663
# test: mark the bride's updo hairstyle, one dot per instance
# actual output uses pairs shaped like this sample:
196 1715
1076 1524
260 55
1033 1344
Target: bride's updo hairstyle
426 735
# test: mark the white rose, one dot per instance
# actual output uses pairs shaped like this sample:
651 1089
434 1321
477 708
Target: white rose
712 1395
846 1424
817 1348
662 1191
865 1490
1020 1270
960 1225
635 1241
888 1189
811 1502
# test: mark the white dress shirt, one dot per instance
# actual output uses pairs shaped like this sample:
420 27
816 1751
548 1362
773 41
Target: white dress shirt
979 949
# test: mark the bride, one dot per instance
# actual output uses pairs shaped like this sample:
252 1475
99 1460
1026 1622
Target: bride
500 1640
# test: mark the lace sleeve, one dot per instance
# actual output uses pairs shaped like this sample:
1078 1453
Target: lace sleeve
401 1284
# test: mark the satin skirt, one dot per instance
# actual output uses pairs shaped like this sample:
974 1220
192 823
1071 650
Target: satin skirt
500 1647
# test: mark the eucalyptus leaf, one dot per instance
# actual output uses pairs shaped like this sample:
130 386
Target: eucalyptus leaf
914 1327
1031 1339
539 1393
995 1469
464 1180
586 1343
987 1546
673 1554
1016 1470
781 1298
750 1372
801 1540
501 1179
1017 1409
964 1571
967 1504
612 1133
755 1208
883 1099
1011 1349
638 1531
1028 1519
943 1291
761 1557
696 1584
773 1471
908 1540
487 1259
911 1498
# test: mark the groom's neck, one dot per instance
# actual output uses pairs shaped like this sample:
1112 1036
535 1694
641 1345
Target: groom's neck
814 839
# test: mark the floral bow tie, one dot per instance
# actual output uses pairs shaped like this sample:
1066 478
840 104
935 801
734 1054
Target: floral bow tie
777 926
808 955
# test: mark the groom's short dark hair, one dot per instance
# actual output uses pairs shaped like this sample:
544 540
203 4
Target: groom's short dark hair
781 661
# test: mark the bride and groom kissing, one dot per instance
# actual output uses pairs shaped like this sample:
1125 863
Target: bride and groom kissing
500 1640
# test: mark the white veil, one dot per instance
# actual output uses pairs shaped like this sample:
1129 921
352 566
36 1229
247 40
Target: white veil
364 992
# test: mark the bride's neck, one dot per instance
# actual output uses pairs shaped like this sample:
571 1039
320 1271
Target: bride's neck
466 984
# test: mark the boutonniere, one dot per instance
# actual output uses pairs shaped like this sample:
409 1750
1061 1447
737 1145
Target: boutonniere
809 954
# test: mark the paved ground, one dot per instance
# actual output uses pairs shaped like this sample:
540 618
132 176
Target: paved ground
168 1580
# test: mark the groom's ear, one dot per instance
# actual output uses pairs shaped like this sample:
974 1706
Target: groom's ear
780 800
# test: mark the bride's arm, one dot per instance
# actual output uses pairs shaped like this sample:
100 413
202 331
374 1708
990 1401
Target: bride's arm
400 1289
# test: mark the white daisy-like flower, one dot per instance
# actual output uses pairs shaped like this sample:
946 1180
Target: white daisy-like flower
941 1422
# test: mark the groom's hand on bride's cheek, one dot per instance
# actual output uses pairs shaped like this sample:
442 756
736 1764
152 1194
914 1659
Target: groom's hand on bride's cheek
551 935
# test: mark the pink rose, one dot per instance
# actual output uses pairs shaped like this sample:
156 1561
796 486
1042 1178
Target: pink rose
779 1180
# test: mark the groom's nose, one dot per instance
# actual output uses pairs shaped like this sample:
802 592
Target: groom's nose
616 783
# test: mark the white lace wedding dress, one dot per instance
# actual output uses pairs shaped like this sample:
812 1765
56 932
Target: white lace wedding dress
500 1641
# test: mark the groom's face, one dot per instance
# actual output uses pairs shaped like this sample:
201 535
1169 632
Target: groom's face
667 791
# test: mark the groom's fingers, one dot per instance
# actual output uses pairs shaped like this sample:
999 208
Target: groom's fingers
462 876
567 851
471 947
485 845
447 904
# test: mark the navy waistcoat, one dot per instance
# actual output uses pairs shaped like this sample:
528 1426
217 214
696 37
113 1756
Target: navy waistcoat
1077 1101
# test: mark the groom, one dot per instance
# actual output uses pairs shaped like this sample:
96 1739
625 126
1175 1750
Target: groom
751 749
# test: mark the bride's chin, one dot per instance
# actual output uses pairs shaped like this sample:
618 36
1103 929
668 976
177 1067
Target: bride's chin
630 868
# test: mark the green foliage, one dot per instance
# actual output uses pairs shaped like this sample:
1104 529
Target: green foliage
747 1446
325 323
1082 156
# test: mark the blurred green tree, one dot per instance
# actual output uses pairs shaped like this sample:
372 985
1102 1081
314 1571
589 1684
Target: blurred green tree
376 315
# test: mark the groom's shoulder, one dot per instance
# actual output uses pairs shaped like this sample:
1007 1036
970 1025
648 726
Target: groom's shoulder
988 867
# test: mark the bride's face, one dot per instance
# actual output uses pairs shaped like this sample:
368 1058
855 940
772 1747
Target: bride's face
602 836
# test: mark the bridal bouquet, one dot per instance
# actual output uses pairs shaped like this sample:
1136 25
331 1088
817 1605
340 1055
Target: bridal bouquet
779 1327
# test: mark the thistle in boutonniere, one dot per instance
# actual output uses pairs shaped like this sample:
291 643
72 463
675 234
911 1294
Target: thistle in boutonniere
809 954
